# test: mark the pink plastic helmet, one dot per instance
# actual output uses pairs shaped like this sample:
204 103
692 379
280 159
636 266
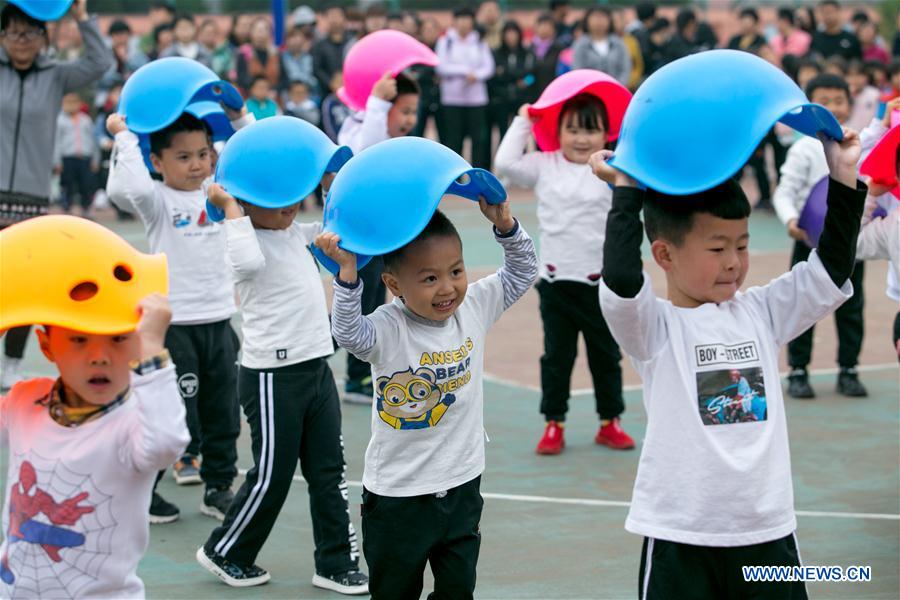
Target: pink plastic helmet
565 87
881 163
375 54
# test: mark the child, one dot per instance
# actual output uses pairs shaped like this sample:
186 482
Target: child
696 466
391 111
202 342
804 167
572 209
287 390
426 454
260 102
297 103
334 112
85 447
185 43
76 155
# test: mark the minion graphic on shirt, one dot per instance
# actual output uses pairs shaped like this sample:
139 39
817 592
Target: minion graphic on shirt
411 399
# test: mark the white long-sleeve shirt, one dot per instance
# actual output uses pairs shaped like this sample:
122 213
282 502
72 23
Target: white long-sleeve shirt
572 205
459 57
285 315
803 168
428 415
715 469
366 128
177 225
77 498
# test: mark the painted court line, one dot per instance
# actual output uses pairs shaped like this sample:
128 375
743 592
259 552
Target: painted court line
637 386
623 504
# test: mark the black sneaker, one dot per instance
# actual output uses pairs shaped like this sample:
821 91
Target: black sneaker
848 384
359 391
231 573
798 385
216 501
351 583
162 511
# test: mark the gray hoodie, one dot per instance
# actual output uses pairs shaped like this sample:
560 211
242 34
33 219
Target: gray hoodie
616 62
29 107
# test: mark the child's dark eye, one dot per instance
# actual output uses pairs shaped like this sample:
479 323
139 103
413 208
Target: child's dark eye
742 248
120 338
430 279
457 272
717 249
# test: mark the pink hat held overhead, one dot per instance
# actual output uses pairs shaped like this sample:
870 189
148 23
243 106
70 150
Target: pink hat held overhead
565 87
374 55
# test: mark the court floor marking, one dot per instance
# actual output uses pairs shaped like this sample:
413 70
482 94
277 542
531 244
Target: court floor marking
623 504
637 386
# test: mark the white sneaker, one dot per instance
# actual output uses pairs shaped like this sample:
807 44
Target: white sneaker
351 583
11 373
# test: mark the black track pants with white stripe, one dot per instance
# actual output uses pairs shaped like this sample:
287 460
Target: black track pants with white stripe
293 412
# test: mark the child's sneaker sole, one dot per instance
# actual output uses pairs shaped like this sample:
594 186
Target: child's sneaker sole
212 511
187 480
215 570
327 584
162 520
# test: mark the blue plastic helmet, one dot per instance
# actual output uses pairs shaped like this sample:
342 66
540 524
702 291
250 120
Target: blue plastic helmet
385 196
160 91
695 122
211 112
43 10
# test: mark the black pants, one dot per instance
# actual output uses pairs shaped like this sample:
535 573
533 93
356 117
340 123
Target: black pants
77 180
294 412
14 342
205 358
461 122
848 318
673 570
896 335
500 115
427 110
401 534
567 308
373 296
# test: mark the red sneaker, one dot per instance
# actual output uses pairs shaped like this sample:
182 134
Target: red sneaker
614 436
553 441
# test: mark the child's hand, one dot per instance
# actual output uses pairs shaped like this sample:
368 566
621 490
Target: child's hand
795 232
611 175
889 108
523 112
79 10
218 197
842 156
386 87
498 214
155 314
115 123
876 189
232 114
327 242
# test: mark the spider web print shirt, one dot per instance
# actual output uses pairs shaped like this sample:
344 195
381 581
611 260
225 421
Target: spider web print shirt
76 500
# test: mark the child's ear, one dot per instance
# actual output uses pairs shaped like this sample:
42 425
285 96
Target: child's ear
662 254
156 162
392 284
44 343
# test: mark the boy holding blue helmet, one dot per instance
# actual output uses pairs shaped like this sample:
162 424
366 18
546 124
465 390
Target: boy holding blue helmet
201 340
713 491
285 385
426 349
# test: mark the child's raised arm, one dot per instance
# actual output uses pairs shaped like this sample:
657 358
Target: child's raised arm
242 251
130 186
511 161
520 267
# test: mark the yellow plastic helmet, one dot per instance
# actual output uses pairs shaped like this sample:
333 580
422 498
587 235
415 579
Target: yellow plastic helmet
71 272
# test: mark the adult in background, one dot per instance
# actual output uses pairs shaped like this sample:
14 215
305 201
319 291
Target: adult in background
600 48
684 42
513 74
834 39
488 21
872 47
466 63
640 29
162 12
297 63
565 32
221 55
329 52
31 91
748 38
127 58
429 91
260 57
790 39
185 44
546 49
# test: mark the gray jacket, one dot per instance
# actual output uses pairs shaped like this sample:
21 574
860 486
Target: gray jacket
616 63
29 107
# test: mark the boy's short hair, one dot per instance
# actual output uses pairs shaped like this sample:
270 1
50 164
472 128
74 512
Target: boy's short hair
162 139
256 79
463 11
659 24
11 13
786 14
750 12
118 26
645 10
184 16
829 81
407 85
685 17
438 226
584 108
545 17
671 218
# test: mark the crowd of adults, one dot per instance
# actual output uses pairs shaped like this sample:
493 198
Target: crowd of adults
504 62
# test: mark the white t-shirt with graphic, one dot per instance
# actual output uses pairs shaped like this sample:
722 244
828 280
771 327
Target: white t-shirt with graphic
715 467
428 414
